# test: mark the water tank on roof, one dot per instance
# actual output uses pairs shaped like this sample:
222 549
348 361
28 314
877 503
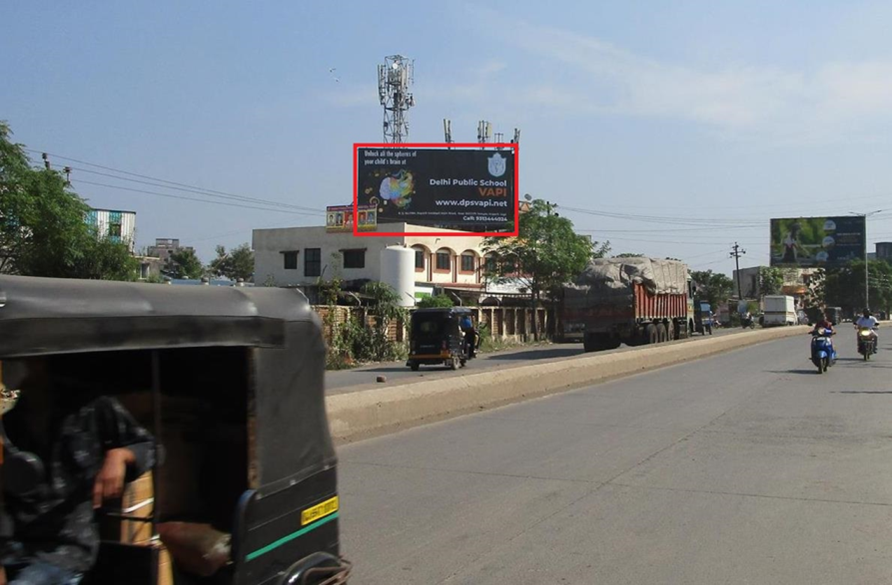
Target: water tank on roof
398 270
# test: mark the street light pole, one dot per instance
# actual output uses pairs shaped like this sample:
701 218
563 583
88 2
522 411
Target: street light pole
866 263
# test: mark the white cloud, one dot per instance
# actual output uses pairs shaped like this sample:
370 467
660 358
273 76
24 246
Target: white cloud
832 101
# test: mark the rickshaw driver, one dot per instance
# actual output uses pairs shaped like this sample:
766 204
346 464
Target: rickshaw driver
48 536
470 336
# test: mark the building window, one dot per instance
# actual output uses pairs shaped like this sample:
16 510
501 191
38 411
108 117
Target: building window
354 258
313 262
114 230
419 259
290 260
443 261
467 263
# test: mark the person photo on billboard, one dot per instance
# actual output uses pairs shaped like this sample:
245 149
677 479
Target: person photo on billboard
791 245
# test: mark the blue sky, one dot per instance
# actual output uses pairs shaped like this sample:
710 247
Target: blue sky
725 112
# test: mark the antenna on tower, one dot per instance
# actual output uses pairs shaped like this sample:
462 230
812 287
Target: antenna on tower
516 139
484 131
394 79
447 130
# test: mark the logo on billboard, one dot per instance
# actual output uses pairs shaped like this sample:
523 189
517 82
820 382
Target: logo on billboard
497 165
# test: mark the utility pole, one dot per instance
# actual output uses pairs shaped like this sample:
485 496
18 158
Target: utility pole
736 253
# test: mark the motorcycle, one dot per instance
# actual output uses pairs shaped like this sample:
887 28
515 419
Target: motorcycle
747 321
867 342
822 353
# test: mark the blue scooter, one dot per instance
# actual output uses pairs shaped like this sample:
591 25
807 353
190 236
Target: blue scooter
823 355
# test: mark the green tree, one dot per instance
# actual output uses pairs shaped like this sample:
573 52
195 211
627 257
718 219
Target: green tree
435 302
386 308
184 263
545 255
771 280
236 264
844 286
43 229
629 255
713 287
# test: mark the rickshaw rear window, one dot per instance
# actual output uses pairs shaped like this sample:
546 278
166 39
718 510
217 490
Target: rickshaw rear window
428 325
205 412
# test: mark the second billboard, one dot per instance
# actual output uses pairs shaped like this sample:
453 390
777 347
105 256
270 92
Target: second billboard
807 242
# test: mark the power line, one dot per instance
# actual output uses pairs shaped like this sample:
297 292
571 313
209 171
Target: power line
182 197
199 191
696 222
209 192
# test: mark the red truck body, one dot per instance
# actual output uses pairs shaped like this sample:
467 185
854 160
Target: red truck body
635 316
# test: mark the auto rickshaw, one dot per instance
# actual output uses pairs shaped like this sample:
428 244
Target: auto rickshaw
704 320
230 382
436 337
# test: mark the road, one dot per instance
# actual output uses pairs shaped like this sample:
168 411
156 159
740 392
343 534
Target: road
340 381
748 467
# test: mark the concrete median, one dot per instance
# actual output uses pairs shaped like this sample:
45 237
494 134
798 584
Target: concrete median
378 411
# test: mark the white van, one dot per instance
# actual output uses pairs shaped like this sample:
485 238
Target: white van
779 310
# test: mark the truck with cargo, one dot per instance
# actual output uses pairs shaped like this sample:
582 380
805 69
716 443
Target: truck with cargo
636 301
778 310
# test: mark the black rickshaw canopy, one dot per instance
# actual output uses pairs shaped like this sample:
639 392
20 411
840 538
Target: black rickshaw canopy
290 452
47 316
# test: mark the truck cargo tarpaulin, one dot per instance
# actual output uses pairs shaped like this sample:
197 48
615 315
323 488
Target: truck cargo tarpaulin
437 187
612 278
808 242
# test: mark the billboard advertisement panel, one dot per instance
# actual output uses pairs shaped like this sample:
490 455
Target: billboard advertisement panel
809 242
339 218
438 187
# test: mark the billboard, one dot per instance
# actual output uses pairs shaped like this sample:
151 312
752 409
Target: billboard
809 242
339 218
470 189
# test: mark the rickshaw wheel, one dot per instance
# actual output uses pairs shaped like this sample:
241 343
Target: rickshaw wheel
414 366
453 364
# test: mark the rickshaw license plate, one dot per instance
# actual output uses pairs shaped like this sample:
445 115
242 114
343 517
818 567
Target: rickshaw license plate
318 511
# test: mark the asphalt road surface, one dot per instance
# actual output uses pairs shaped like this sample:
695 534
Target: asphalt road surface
345 380
748 467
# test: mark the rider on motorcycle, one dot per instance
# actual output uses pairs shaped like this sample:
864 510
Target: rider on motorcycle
868 321
825 324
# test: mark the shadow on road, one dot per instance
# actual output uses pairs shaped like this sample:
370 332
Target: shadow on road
383 369
862 392
536 354
796 371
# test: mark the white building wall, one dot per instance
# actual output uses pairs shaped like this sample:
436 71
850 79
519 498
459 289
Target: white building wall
270 244
101 219
455 246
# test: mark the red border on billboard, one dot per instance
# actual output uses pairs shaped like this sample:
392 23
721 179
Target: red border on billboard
474 145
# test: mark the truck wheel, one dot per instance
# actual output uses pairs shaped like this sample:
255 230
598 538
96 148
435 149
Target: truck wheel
592 342
650 333
414 366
